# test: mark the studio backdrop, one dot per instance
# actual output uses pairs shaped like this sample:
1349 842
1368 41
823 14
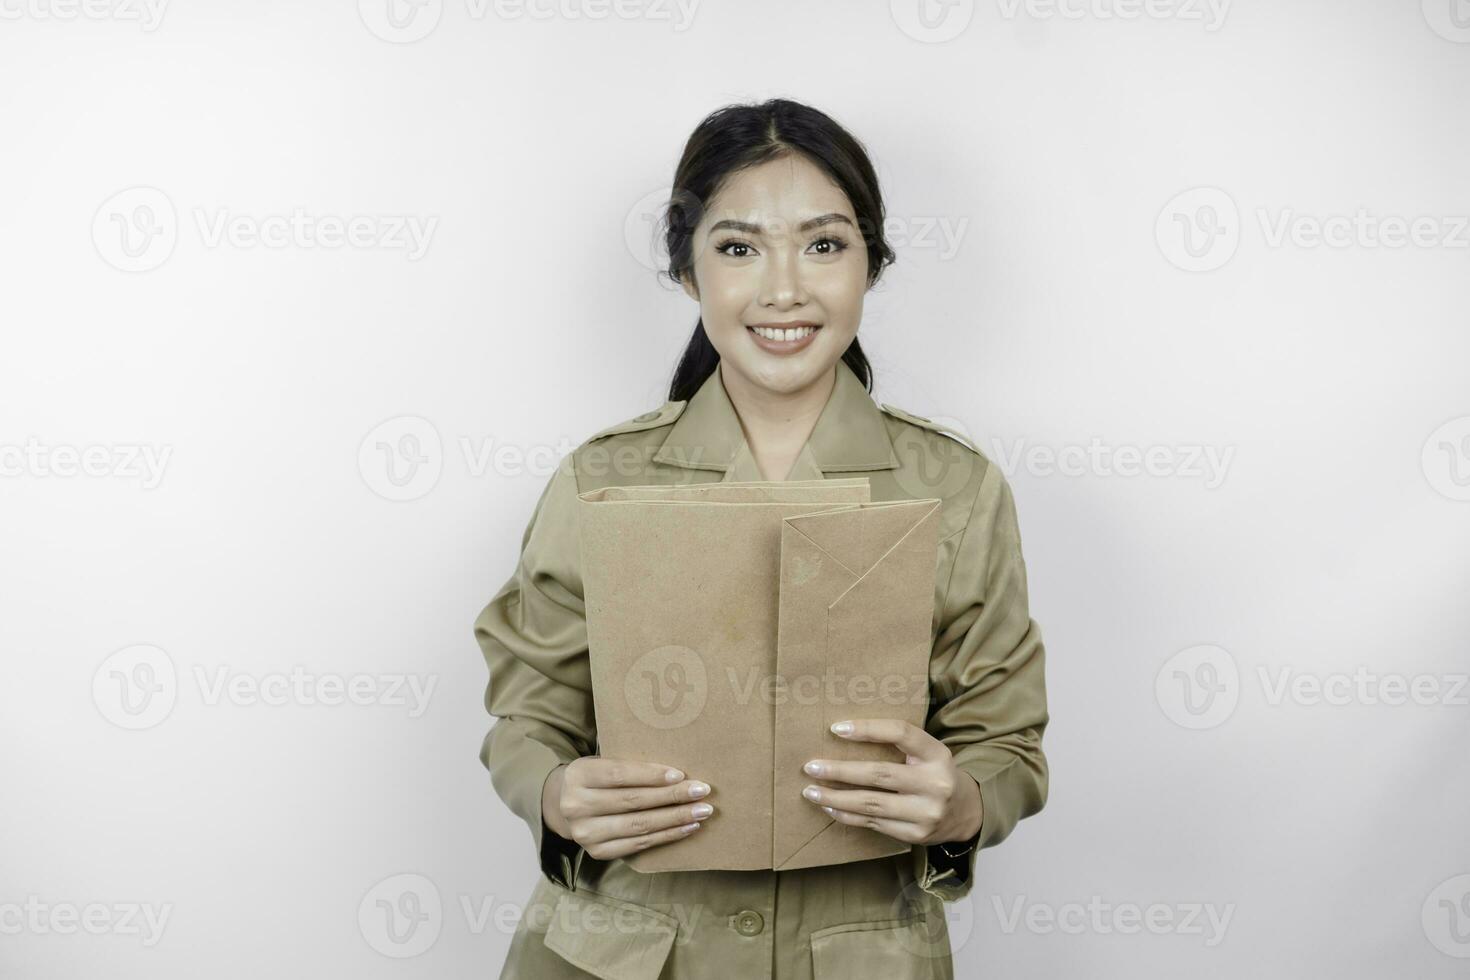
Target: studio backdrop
303 302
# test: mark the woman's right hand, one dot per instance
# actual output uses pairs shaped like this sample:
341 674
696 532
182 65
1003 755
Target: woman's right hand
613 808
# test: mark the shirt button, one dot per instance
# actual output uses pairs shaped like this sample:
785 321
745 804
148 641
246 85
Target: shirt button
748 922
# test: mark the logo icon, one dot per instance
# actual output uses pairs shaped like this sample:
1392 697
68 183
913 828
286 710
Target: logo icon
135 230
938 928
667 687
1198 687
940 473
136 687
400 21
1446 459
1446 917
402 458
1198 230
642 230
401 916
932 21
1450 19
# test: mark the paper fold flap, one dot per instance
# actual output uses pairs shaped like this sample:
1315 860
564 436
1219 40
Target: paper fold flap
859 537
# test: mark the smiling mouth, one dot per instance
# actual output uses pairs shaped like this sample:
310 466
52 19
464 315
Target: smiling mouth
785 335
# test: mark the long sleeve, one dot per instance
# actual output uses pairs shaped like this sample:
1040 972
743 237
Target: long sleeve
987 674
533 634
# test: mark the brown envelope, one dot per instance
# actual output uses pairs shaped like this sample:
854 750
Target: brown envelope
700 597
829 491
856 604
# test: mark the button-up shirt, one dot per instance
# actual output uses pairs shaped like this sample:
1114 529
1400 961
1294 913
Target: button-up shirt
883 917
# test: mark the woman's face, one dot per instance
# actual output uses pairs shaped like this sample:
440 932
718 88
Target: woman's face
755 263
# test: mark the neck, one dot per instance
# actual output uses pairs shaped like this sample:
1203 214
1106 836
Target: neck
777 422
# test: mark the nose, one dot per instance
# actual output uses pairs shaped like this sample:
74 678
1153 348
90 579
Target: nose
782 287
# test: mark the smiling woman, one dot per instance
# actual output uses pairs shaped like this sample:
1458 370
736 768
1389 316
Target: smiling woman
775 230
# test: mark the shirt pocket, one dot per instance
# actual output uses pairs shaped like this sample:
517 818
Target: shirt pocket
895 949
610 938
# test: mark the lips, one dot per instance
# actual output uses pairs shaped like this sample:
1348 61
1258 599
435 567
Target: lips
785 346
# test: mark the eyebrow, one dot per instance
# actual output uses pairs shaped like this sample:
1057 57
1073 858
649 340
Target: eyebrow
755 229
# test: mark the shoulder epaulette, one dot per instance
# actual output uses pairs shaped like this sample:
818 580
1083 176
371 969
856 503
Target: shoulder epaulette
929 424
662 415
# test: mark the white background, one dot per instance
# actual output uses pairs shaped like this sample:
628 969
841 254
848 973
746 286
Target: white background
1054 142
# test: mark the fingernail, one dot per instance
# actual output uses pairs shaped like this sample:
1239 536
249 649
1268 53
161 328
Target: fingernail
842 727
673 775
696 790
813 767
702 809
812 793
688 827
829 810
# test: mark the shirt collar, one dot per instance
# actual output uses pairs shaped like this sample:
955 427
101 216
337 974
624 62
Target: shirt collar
849 435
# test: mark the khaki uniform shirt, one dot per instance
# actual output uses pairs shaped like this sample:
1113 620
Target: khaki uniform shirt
877 918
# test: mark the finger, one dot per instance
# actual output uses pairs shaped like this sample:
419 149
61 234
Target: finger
909 737
620 826
618 773
893 776
897 829
874 803
632 845
597 802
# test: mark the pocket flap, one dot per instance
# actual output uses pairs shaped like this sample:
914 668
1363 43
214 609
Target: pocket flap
899 949
610 938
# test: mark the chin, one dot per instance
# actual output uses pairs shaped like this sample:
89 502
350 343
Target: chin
786 378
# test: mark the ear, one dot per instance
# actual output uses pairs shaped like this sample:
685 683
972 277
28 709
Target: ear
690 289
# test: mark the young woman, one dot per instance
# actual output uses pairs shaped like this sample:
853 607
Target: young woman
775 229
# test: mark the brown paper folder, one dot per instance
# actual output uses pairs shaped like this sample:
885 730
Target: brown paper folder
825 491
730 623
856 603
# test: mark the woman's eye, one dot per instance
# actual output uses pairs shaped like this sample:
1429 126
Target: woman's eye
727 248
837 245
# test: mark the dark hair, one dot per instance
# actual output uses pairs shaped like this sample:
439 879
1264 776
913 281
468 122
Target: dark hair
736 137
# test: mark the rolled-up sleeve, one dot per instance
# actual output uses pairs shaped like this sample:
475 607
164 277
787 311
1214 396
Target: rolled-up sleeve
533 634
987 676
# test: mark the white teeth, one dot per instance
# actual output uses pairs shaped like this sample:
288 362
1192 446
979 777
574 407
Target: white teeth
795 334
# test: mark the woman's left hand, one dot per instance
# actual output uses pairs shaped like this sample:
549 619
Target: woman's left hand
925 800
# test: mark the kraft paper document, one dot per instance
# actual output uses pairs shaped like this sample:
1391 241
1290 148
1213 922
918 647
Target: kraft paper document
729 624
